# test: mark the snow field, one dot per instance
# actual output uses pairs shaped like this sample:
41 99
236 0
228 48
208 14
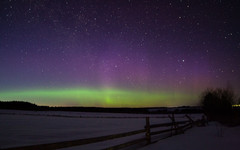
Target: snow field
22 128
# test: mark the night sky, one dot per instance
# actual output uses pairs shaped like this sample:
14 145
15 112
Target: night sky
117 53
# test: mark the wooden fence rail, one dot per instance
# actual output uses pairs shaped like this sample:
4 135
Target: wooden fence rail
167 124
147 130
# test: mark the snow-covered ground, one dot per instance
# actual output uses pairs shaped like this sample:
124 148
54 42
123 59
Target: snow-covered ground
212 137
21 128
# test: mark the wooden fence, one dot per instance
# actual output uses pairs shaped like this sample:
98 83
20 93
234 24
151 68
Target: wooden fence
175 127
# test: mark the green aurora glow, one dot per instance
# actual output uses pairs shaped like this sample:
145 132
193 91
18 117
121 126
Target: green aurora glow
102 97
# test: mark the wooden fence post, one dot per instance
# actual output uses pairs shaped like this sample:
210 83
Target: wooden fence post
174 125
190 120
171 125
147 128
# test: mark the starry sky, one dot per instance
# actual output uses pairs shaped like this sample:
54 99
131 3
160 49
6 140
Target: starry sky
117 53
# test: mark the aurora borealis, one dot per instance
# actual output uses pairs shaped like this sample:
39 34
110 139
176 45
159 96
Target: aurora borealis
117 53
100 98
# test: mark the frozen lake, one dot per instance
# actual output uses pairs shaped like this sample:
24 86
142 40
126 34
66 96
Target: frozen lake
21 128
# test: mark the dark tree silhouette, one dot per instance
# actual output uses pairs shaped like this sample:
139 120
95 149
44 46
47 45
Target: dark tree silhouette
18 105
217 101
